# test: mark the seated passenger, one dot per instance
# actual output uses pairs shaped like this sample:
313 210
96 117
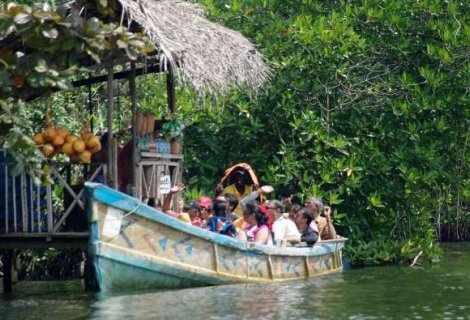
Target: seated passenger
284 230
307 234
194 210
325 226
232 203
294 209
219 223
206 210
241 223
257 217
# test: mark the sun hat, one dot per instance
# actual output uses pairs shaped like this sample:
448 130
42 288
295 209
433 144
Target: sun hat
205 202
193 204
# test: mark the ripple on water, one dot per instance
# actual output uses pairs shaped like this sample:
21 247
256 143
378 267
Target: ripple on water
390 292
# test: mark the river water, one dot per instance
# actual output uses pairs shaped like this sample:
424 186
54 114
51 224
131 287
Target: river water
439 291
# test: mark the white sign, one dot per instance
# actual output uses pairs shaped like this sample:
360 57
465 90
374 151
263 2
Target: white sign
165 184
112 223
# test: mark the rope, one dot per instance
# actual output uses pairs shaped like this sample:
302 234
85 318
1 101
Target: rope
127 214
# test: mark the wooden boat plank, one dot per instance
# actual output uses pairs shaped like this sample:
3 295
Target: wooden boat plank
157 250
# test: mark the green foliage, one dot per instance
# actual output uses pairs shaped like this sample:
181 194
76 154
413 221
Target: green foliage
47 264
42 49
367 107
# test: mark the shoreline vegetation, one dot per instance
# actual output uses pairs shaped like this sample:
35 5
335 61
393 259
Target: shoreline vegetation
366 107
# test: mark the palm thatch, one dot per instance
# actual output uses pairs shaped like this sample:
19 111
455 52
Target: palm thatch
209 56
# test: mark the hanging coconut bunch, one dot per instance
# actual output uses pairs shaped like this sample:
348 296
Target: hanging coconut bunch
59 140
81 148
51 139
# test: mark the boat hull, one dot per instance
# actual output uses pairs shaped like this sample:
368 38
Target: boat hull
134 246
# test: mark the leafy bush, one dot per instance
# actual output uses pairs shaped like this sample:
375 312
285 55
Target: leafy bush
367 107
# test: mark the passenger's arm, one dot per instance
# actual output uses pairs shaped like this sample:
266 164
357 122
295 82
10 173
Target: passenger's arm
292 239
219 189
255 194
169 196
331 227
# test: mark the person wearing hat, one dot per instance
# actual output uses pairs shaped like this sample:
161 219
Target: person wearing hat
239 188
206 210
193 209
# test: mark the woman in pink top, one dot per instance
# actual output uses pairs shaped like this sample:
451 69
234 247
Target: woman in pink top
257 218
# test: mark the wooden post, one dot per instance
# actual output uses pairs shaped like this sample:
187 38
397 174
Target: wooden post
135 156
90 107
7 261
111 174
170 90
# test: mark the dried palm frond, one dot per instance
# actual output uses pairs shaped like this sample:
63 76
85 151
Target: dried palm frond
203 54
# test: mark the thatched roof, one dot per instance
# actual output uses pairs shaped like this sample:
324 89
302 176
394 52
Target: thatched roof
209 56
202 54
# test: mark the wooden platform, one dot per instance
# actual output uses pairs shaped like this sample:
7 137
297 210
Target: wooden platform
43 240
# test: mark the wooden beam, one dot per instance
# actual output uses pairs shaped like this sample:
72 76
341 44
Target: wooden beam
117 76
44 240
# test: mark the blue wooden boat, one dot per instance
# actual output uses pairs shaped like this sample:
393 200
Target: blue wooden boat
135 246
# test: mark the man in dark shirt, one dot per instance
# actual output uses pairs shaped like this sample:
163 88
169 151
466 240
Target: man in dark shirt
303 220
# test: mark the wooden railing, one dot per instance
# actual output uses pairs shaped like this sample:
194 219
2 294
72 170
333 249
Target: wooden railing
58 207
46 208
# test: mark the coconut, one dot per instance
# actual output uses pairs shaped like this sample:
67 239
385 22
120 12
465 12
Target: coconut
48 150
67 148
58 141
79 146
64 133
85 156
38 138
95 149
49 134
71 138
92 142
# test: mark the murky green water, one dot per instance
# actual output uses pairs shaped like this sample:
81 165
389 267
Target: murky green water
440 291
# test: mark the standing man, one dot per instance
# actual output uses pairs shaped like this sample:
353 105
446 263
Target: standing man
239 188
325 226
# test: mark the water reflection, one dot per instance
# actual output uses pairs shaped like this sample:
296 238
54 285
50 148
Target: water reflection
440 291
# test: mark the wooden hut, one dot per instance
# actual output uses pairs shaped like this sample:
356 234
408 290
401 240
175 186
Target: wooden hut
186 46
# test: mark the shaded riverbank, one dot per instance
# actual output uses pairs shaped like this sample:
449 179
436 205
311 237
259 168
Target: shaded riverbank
391 292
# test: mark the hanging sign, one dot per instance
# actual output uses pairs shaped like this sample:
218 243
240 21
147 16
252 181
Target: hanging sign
165 184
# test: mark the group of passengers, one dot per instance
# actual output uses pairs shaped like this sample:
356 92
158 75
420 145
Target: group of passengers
235 212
